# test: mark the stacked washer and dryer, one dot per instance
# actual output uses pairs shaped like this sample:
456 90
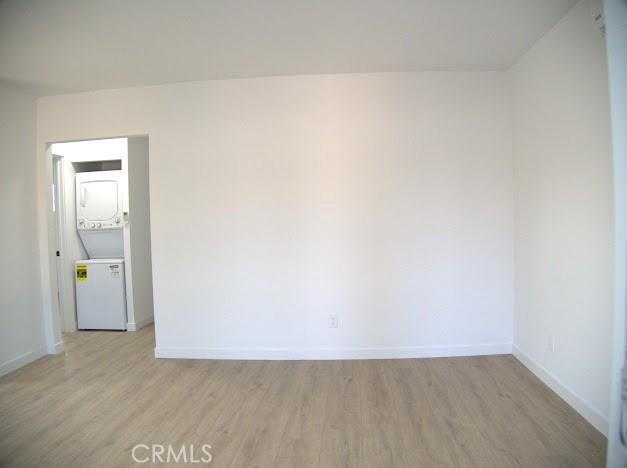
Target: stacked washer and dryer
100 282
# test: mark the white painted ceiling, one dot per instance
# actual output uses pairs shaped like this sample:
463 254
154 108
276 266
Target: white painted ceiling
58 46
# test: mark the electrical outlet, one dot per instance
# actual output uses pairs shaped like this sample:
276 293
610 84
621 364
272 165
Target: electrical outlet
333 321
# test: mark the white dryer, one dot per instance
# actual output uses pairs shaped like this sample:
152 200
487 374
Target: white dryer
99 213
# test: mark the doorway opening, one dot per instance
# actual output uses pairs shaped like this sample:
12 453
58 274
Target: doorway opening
101 212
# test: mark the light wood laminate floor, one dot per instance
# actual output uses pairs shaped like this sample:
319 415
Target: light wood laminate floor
89 406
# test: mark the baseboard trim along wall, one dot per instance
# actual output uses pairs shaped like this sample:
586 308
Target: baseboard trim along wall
333 353
592 415
21 361
132 326
59 347
55 348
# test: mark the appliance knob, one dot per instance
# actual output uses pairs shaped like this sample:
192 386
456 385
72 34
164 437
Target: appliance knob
99 225
81 222
117 220
93 225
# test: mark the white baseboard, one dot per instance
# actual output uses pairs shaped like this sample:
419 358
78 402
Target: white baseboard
59 347
332 353
21 361
592 415
132 326
55 348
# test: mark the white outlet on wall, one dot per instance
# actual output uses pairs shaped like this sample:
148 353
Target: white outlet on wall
333 321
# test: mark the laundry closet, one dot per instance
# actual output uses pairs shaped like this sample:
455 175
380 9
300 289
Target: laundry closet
102 221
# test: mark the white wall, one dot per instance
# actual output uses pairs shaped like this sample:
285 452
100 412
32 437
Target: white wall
21 328
563 208
139 225
383 198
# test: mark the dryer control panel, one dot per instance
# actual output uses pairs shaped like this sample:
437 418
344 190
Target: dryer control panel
84 224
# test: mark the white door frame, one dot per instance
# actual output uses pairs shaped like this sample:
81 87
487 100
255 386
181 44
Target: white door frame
61 247
47 254
47 246
616 24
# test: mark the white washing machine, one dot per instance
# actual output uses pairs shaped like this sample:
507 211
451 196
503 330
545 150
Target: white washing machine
100 294
100 284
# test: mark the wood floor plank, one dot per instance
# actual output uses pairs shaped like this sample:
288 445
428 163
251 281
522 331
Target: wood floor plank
260 445
343 428
382 437
239 409
302 438
424 442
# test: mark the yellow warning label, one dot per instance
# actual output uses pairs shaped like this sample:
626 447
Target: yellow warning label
81 273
